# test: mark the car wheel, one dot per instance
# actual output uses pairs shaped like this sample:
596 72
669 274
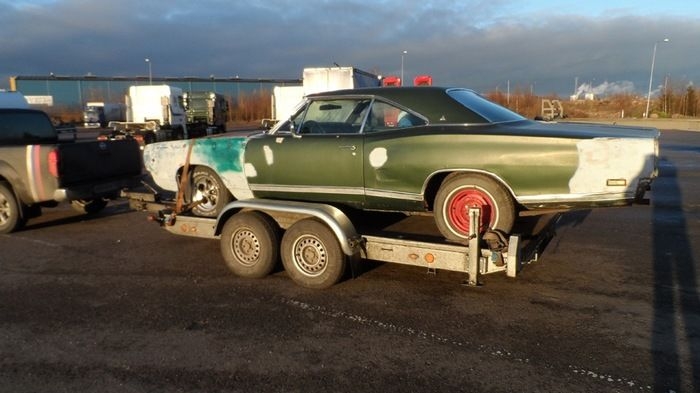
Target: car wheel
459 193
250 244
312 255
10 215
89 206
208 189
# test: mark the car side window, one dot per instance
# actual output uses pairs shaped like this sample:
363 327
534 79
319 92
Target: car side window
328 116
384 116
292 123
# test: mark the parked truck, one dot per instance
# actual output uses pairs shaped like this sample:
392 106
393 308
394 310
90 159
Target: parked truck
316 80
154 113
99 114
38 169
207 112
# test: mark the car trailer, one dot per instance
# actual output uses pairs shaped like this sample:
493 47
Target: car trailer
319 240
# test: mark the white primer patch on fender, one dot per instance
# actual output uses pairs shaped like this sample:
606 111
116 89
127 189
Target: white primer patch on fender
378 157
601 159
269 156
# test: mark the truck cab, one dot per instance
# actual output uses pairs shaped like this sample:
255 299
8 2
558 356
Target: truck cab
160 103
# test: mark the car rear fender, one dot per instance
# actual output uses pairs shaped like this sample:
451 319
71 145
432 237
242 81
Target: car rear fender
433 182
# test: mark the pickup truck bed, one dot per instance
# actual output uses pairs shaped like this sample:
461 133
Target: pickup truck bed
37 170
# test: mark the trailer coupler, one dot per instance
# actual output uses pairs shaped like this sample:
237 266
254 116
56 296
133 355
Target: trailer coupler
162 217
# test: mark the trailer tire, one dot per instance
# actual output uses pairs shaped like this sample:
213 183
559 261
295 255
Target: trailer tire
207 186
311 254
460 192
10 215
250 244
88 206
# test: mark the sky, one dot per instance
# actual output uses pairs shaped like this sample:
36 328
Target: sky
543 46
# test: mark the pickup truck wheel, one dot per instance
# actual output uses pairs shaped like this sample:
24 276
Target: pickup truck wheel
458 193
250 244
312 255
89 206
10 215
208 188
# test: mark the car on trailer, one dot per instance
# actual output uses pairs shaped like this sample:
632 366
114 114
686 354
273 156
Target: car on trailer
418 150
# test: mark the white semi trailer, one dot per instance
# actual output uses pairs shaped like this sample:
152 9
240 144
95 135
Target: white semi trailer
316 80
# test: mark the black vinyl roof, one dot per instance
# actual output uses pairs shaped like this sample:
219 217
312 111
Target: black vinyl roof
430 101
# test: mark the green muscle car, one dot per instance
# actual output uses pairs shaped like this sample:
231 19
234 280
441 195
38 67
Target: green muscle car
417 149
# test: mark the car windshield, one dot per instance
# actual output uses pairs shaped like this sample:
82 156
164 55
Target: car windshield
485 108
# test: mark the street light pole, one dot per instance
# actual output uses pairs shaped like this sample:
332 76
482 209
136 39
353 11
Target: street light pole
402 55
150 74
651 76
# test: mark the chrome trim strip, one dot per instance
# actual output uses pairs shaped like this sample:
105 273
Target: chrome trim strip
409 196
530 199
307 189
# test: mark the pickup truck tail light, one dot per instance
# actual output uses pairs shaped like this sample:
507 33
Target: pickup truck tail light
53 162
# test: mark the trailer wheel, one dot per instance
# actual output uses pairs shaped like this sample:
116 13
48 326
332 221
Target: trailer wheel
10 216
250 244
458 193
312 255
208 188
89 206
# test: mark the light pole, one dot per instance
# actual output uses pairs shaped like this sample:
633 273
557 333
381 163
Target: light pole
402 55
150 74
651 76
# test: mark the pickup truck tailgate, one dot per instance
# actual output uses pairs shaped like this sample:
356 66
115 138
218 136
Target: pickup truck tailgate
88 161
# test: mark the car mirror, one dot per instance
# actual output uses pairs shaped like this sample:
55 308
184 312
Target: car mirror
293 129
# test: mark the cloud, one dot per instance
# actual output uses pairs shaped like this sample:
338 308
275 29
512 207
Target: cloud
478 44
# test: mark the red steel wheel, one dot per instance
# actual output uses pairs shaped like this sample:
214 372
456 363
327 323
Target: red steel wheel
460 192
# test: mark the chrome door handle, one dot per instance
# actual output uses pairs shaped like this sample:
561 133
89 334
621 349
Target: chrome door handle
349 147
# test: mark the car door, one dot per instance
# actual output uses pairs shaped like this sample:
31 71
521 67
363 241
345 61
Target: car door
315 156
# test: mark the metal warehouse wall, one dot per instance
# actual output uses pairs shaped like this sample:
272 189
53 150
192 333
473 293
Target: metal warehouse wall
77 90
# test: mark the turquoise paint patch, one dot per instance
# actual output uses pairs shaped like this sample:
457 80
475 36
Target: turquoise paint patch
224 154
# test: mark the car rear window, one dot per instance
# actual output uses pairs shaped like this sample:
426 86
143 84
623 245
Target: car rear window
25 127
490 111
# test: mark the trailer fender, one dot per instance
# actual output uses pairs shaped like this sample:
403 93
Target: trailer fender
336 220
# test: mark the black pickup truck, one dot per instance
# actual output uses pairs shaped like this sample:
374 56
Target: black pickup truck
37 169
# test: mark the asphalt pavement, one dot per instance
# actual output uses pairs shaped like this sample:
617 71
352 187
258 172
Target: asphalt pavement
113 303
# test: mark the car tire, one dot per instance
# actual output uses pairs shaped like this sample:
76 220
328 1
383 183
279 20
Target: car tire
206 186
311 254
89 206
250 244
10 215
460 192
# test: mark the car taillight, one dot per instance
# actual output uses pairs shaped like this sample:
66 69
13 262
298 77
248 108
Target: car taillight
53 162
